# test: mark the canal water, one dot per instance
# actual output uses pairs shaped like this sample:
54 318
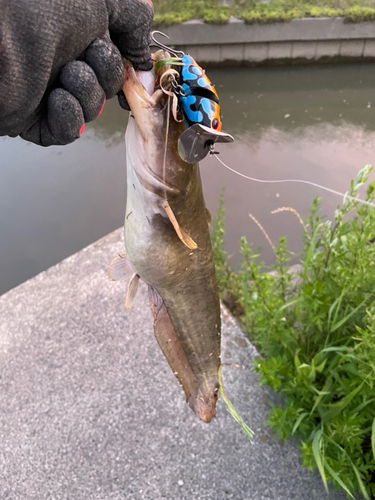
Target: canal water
311 123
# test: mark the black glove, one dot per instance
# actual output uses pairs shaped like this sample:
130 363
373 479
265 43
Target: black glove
61 59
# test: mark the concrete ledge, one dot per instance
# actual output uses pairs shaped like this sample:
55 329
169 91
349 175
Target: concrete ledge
237 31
310 39
369 48
90 409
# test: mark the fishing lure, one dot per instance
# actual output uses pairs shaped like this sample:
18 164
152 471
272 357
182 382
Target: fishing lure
200 104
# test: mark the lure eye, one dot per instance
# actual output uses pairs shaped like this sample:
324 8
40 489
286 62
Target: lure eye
215 123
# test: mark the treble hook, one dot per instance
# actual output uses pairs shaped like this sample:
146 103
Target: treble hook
176 53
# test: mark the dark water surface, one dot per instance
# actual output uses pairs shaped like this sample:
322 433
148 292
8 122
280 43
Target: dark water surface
313 123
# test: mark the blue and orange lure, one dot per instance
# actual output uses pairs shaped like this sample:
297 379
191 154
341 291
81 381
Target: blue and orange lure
200 101
200 105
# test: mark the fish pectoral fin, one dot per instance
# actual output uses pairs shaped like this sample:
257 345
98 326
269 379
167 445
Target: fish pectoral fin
184 237
120 268
132 291
156 302
208 217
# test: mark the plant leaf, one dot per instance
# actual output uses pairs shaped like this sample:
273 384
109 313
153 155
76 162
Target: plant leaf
174 61
318 458
356 471
338 303
336 408
231 409
361 406
299 420
360 482
344 320
322 393
337 478
336 349
290 303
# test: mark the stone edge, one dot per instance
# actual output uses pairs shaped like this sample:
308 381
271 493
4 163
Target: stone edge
301 40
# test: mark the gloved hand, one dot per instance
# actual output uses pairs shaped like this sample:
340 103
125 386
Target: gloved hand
61 59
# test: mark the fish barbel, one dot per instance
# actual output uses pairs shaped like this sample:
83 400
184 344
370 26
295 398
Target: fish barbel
167 242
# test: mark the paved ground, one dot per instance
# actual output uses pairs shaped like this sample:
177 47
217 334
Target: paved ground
89 408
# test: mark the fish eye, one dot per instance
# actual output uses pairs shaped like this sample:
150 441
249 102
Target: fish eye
215 123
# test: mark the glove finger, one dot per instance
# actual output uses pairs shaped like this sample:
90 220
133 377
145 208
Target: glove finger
105 59
139 56
130 30
80 80
62 123
122 101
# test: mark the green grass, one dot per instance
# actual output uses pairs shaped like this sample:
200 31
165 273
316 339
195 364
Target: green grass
316 333
233 412
168 12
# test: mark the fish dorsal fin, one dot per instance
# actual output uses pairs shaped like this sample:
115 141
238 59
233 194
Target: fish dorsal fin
120 268
184 237
132 291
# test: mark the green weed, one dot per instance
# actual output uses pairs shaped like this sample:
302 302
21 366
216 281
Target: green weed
233 412
315 329
168 12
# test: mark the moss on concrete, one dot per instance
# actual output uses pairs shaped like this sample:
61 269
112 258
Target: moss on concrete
169 12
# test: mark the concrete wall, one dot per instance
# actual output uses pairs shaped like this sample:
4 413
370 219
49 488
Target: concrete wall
299 41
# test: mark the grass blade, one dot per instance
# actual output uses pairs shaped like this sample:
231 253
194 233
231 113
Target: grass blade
322 393
373 438
231 409
316 445
174 61
299 420
362 487
359 408
336 408
337 304
310 253
290 303
340 481
344 320
336 349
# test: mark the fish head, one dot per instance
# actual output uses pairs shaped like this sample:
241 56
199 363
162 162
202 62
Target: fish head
152 132
203 401
139 89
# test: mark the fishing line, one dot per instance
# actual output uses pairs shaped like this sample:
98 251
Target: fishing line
294 180
166 142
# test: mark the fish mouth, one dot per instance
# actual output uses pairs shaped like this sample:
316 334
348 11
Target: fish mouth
139 86
141 83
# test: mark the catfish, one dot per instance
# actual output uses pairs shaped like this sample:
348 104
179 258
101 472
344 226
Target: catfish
167 241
